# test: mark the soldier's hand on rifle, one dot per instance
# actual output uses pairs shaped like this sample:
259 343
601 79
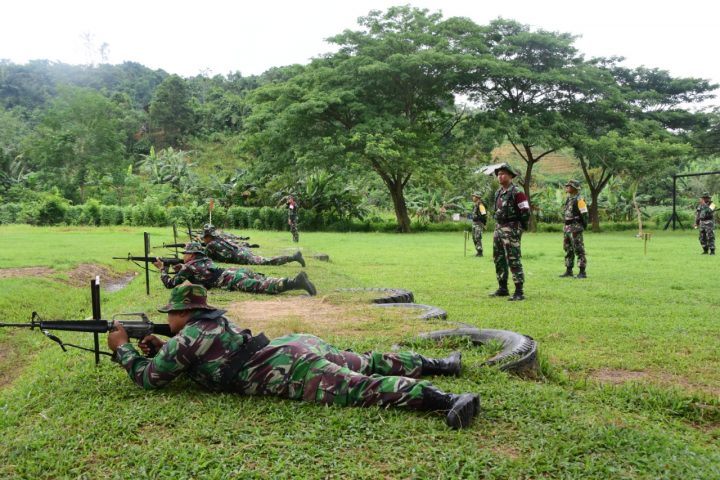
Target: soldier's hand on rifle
117 337
158 263
177 267
150 345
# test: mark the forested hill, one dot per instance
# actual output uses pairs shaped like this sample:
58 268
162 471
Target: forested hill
375 127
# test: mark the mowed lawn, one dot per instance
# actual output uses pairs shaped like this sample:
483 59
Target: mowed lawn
630 359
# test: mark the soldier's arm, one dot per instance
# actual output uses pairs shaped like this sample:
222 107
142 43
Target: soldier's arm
524 207
174 358
173 281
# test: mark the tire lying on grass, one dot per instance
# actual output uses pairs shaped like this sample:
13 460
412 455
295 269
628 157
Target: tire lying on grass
427 312
385 295
518 354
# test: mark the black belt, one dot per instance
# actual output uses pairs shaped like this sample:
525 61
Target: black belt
239 357
570 222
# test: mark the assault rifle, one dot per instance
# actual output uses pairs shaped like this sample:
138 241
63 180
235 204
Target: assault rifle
135 329
148 259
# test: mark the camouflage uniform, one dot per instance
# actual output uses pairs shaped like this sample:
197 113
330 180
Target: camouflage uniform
512 212
297 366
479 219
223 250
293 219
575 214
202 270
705 223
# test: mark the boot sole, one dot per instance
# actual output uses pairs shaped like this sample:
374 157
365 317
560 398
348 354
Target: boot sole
463 411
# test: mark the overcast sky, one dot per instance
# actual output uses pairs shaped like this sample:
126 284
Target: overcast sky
219 37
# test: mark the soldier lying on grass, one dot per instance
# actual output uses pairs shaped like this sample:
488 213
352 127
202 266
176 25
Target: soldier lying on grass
197 268
216 354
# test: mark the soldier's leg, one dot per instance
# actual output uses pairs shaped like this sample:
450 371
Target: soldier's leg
569 251
294 231
248 281
711 239
579 247
500 246
477 239
514 255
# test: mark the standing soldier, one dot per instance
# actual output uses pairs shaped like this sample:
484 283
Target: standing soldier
479 219
705 221
197 268
575 214
512 213
293 218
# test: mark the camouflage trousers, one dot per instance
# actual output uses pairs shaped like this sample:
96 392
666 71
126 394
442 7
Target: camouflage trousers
707 235
246 257
506 253
574 245
294 230
304 367
249 281
477 236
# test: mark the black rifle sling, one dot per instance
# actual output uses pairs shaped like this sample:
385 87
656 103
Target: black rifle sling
229 371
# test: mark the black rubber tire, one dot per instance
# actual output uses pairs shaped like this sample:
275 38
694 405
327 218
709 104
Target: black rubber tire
385 295
519 353
428 311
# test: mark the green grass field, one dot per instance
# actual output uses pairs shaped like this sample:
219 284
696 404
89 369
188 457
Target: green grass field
630 361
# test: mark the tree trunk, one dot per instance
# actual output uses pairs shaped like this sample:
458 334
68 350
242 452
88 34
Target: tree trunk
532 227
401 213
639 213
594 214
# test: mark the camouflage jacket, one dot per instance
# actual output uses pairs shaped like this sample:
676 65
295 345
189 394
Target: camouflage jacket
223 250
511 206
479 214
199 270
705 214
292 211
201 350
575 211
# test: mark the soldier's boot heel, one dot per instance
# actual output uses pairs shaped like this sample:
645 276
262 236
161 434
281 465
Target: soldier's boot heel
502 291
297 257
705 251
459 409
712 251
302 282
568 273
450 365
519 294
581 274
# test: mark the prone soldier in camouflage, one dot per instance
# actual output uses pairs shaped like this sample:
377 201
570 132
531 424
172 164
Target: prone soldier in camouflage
512 214
575 214
216 354
292 207
705 223
197 268
225 250
479 219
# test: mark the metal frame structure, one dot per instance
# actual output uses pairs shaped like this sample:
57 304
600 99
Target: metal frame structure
674 217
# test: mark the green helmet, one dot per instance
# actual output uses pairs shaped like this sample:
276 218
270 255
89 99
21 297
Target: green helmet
574 184
507 168
705 195
477 194
187 297
209 230
195 247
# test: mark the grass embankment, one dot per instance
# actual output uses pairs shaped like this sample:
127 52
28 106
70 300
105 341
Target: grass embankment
631 385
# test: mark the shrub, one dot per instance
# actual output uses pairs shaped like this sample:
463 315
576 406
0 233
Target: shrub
51 211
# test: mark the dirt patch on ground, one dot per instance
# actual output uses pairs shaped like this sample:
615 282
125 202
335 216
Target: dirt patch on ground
317 316
25 272
8 368
618 376
80 276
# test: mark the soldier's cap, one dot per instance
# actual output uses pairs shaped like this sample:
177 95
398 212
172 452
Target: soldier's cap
195 247
187 296
209 230
477 194
507 168
574 184
705 195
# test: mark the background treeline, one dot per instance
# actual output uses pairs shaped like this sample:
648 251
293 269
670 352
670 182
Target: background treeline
387 132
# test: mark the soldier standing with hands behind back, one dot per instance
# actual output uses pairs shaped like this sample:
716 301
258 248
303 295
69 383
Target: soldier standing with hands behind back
512 214
705 221
479 219
293 218
575 214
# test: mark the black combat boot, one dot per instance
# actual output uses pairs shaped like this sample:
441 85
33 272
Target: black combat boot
297 257
301 282
478 253
518 295
705 251
460 408
712 251
502 290
568 273
582 273
441 366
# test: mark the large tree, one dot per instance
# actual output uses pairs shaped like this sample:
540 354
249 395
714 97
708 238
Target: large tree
384 102
171 115
527 90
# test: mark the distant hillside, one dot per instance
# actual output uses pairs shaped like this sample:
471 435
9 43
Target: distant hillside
557 163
